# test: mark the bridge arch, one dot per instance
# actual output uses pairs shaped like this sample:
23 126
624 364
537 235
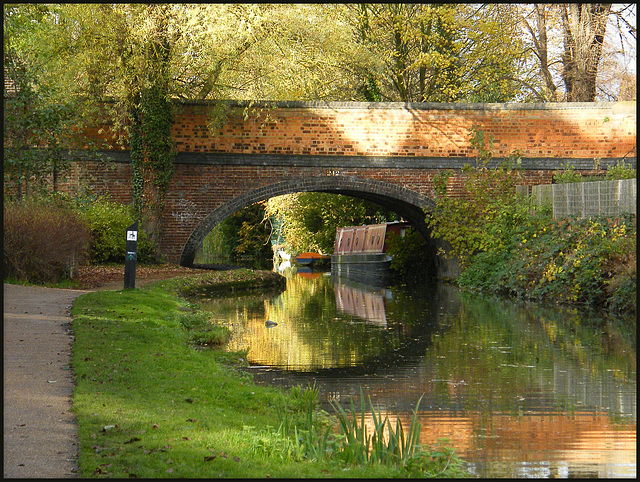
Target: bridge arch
409 204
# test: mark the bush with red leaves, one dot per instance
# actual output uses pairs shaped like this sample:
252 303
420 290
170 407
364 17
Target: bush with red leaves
42 243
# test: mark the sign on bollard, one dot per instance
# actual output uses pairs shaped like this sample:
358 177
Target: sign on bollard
130 257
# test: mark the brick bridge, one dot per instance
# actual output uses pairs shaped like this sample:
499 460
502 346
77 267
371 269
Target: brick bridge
388 153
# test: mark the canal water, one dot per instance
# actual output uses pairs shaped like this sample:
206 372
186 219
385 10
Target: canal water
518 390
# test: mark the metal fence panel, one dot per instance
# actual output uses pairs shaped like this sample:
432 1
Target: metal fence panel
609 198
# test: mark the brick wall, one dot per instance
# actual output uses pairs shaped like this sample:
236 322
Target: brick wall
413 130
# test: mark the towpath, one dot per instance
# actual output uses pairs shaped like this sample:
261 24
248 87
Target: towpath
40 432
39 426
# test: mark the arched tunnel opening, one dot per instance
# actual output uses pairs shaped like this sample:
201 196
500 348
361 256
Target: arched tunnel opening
408 205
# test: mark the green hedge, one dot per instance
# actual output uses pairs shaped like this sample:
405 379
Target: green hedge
108 223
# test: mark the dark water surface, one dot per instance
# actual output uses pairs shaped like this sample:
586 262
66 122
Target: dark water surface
519 390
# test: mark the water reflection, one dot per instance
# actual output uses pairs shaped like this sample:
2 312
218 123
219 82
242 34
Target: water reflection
520 391
322 329
367 303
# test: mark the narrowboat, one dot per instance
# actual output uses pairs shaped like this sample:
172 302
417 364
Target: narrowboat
360 252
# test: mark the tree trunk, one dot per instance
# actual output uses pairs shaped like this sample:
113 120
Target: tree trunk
541 45
150 135
400 79
584 29
153 204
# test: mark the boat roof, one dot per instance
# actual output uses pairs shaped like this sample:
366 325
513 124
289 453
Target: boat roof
376 225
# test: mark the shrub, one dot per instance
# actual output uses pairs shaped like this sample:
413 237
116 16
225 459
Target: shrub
568 175
506 246
590 261
410 256
489 209
108 222
486 214
42 243
620 171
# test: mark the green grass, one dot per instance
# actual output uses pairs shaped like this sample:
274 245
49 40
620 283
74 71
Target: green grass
149 404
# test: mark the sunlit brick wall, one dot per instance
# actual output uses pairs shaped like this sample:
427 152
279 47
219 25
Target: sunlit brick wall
420 130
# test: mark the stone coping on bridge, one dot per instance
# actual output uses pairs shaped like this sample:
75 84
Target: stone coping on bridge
618 107
396 162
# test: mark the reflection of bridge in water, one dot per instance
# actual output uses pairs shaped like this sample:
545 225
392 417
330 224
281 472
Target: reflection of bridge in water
365 302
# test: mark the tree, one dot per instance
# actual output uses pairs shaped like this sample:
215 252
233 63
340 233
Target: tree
35 126
584 29
123 64
442 53
123 53
489 210
252 234
309 219
617 70
127 53
150 132
243 236
268 52
570 42
537 29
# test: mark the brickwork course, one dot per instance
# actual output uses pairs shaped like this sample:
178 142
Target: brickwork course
385 152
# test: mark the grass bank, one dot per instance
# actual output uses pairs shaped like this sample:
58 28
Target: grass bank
150 404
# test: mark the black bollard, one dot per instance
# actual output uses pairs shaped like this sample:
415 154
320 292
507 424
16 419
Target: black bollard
130 257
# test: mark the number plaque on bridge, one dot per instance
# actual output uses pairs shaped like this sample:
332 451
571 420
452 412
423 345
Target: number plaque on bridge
130 257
